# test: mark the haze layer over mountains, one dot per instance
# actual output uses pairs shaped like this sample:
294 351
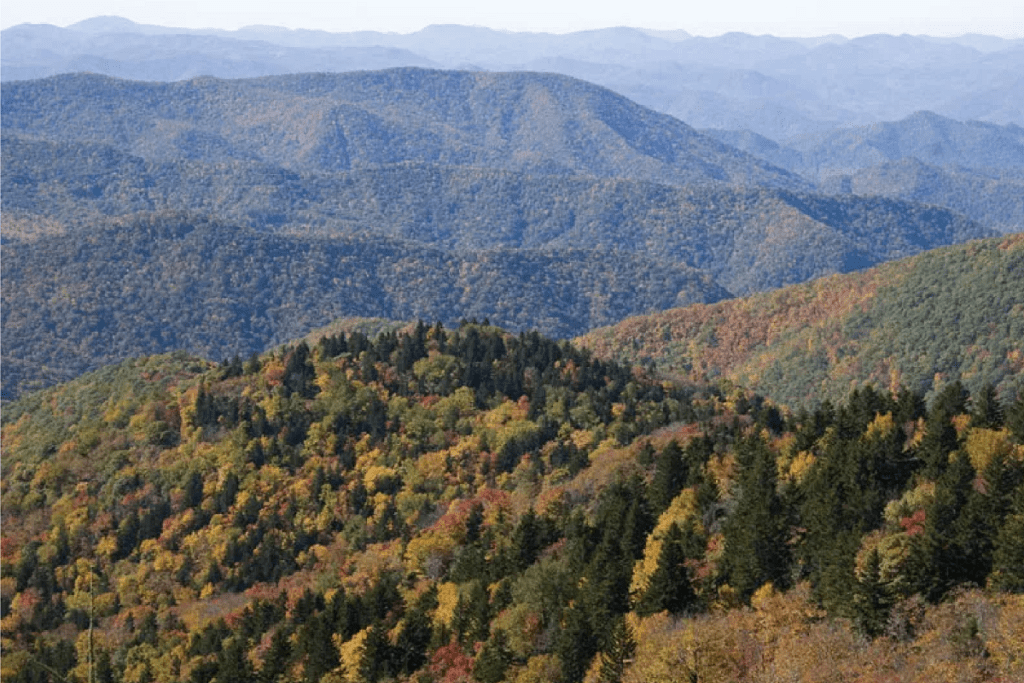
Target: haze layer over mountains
777 87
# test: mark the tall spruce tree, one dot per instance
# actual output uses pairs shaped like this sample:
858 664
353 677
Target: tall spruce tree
756 532
670 474
1008 553
873 601
669 586
619 652
494 659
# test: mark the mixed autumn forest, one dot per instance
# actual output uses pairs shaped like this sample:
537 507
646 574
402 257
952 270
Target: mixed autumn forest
494 374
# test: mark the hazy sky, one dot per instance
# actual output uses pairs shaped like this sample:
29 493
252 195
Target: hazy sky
702 17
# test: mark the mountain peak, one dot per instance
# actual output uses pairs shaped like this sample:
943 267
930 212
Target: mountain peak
106 24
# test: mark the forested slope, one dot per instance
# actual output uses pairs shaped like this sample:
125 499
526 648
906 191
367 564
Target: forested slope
955 313
749 239
465 504
149 283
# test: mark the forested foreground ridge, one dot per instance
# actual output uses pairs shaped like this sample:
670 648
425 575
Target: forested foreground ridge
950 314
467 504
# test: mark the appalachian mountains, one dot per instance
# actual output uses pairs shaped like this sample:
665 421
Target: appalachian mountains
950 314
78 301
972 167
747 239
931 139
925 136
537 123
993 197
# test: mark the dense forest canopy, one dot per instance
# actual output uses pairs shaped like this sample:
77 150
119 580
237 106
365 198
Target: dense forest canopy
468 504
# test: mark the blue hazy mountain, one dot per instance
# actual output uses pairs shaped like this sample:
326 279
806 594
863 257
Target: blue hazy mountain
778 87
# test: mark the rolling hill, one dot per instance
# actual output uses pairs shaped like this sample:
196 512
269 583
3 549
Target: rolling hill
971 167
159 282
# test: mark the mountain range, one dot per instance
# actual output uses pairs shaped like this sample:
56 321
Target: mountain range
475 183
810 467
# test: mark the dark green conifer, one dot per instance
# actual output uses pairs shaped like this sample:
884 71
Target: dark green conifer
494 659
669 586
986 410
670 476
577 643
1015 419
756 532
619 653
1008 553
873 600
275 661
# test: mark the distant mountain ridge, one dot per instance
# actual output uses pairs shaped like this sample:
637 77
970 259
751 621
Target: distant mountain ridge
778 87
972 167
531 122
536 200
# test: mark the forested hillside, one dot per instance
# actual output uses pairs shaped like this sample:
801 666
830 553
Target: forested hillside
530 122
464 504
951 314
749 239
151 283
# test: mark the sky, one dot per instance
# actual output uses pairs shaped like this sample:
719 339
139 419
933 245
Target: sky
700 17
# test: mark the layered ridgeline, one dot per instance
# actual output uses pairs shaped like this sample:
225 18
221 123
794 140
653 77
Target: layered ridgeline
952 314
972 167
529 199
465 504
779 87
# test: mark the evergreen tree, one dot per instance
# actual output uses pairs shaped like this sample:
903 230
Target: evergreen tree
275 662
577 643
1008 553
986 411
940 436
375 661
494 659
873 601
233 664
413 640
756 532
938 559
670 476
669 586
1015 419
526 541
619 653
